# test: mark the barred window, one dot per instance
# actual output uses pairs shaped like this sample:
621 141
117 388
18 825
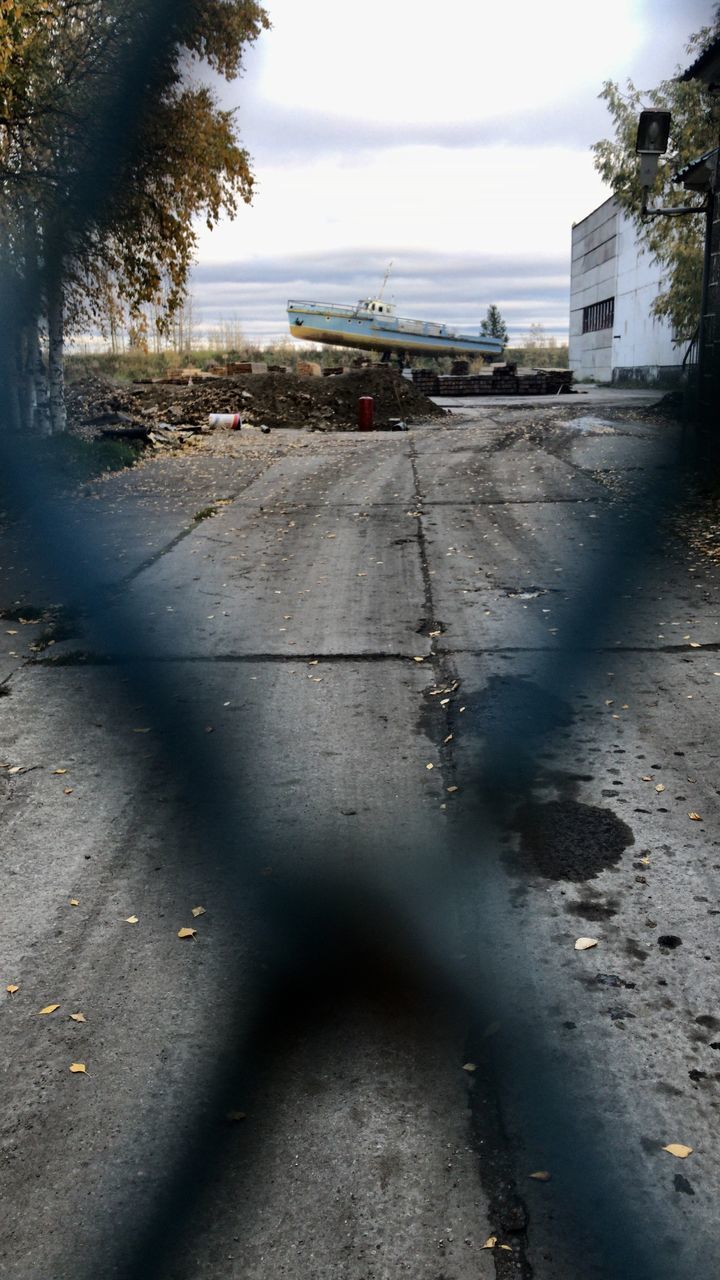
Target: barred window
600 315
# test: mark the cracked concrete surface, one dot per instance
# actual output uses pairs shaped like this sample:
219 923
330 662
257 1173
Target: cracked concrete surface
358 610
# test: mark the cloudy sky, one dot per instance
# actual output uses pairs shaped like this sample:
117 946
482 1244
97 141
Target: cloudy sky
452 137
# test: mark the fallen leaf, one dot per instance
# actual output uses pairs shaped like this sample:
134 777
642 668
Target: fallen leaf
541 1175
660 787
470 1066
418 659
78 1017
198 911
187 933
451 789
59 771
78 1068
648 777
695 645
131 919
50 1008
644 860
74 902
448 739
16 768
11 988
67 791
677 1149
695 817
584 944
490 1242
429 766
506 1247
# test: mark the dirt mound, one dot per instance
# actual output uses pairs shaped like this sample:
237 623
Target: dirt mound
273 399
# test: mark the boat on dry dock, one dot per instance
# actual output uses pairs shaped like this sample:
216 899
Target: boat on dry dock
373 325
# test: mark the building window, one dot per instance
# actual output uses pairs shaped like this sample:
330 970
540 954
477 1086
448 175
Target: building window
601 315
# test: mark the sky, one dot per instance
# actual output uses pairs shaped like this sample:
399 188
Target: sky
452 138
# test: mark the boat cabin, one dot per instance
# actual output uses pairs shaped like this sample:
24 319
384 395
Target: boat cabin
377 307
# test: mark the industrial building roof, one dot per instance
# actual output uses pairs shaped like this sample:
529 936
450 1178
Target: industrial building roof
698 175
707 64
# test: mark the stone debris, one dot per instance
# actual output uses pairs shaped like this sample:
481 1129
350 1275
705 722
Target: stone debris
161 412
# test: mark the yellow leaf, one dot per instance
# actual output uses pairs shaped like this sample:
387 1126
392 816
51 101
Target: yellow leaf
78 1068
648 777
67 791
490 1242
470 1066
451 789
11 988
50 1008
541 1175
59 770
187 933
131 919
74 902
78 1017
16 768
695 817
645 861
677 1149
429 766
198 911
694 645
506 1247
660 786
418 659
584 944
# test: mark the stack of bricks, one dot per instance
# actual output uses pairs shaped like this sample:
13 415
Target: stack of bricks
499 380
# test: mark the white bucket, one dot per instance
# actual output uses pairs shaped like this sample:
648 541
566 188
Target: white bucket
231 420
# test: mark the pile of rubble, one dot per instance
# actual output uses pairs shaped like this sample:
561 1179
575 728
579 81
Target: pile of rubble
165 410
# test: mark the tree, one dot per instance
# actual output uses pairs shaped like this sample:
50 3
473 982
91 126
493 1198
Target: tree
99 188
675 242
493 326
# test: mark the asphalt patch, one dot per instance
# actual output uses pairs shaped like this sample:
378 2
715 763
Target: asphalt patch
566 840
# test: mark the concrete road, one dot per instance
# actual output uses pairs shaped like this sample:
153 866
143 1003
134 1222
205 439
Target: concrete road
406 716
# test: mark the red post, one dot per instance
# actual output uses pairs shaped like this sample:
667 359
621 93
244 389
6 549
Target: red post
366 407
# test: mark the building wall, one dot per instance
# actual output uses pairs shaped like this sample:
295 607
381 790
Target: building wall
607 262
592 279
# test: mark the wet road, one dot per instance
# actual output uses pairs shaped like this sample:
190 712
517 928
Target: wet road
323 727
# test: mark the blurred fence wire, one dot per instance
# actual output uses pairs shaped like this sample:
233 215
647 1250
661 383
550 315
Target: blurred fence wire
318 933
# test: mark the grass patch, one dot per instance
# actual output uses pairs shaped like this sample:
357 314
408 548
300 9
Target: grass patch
76 459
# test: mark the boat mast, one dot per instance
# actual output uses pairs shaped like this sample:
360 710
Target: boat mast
386 277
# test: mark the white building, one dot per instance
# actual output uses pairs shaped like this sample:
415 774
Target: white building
614 336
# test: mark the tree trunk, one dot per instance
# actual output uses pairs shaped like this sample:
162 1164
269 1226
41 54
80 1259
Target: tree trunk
56 351
26 377
41 421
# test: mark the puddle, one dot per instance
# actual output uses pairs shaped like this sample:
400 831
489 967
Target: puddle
593 425
566 840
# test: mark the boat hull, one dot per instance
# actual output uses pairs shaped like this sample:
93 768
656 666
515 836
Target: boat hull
348 327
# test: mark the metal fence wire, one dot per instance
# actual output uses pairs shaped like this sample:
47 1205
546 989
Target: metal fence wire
325 939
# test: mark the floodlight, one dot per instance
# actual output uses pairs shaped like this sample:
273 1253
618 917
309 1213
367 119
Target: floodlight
651 143
653 132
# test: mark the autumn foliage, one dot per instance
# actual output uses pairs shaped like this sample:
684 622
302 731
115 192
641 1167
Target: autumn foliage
111 144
